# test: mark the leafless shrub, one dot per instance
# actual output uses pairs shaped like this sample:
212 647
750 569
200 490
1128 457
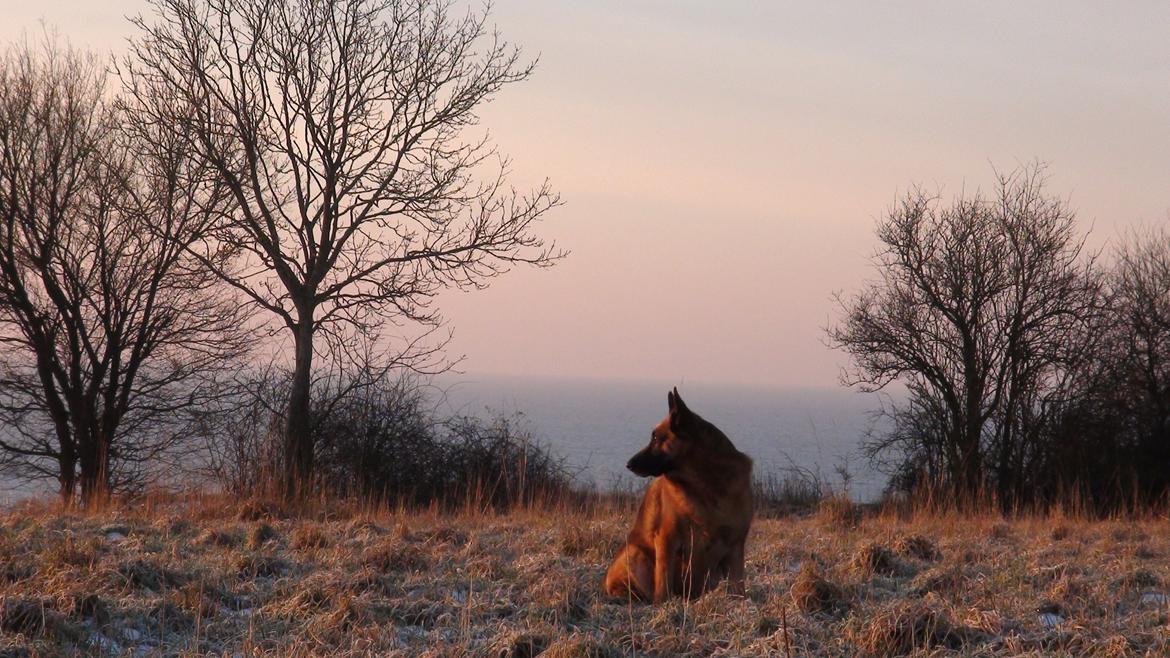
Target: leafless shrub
788 490
379 439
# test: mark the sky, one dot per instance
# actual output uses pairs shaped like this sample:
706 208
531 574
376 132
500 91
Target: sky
723 164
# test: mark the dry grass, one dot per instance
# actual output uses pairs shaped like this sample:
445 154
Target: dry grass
204 578
812 593
873 558
918 547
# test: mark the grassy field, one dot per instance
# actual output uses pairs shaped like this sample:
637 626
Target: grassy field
208 577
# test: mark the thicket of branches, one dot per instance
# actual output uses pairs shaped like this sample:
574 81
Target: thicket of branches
342 131
315 166
109 330
1034 372
379 437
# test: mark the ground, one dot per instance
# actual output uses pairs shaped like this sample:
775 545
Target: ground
202 577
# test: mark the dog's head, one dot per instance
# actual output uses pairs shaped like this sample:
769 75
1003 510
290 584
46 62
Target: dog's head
671 442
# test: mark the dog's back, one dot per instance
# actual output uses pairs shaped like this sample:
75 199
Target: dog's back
694 519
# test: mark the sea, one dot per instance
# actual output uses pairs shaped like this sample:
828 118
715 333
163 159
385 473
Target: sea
596 425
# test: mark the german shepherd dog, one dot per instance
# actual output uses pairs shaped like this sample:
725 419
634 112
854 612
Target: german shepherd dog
694 520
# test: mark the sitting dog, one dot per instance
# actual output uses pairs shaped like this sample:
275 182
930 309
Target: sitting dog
694 520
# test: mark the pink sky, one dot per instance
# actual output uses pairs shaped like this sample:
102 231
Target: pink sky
723 163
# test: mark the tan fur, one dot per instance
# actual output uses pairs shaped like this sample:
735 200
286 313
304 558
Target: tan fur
694 519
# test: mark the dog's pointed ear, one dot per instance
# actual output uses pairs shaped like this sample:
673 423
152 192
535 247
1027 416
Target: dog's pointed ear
679 413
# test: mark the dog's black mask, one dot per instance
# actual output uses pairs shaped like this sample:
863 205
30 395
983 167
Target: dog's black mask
649 463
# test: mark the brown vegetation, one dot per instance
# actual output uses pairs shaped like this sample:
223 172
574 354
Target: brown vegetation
343 580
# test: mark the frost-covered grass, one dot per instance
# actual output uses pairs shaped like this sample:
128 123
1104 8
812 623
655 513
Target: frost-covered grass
207 577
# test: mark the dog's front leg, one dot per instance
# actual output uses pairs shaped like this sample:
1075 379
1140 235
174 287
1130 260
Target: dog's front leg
735 570
665 566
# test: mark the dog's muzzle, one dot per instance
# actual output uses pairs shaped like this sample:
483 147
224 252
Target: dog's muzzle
650 464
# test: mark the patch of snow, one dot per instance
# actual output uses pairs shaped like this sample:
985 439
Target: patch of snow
104 644
115 536
1154 599
411 634
1050 620
115 529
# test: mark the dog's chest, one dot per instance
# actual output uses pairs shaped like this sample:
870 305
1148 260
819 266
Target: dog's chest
709 527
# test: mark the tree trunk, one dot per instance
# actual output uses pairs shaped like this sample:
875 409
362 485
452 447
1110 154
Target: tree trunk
67 476
95 468
971 483
298 438
1005 471
67 456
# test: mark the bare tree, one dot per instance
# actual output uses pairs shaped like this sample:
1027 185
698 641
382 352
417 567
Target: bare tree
1140 284
107 326
341 128
975 312
1135 388
1043 325
1105 435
